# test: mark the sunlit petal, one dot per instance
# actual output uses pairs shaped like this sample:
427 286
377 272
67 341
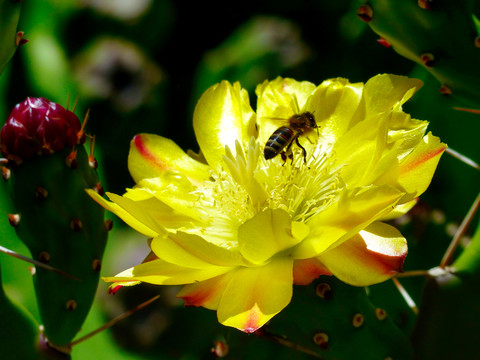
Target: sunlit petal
372 256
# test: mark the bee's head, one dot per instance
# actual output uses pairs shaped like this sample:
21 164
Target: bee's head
311 120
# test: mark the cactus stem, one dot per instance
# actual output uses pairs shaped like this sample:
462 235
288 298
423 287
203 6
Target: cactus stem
81 132
71 305
114 321
14 219
41 193
6 173
36 263
427 59
75 105
445 90
220 349
462 157
365 13
425 4
324 291
19 39
381 314
473 111
108 224
71 160
447 258
96 265
384 42
406 296
358 320
76 225
321 339
52 350
44 257
413 273
92 162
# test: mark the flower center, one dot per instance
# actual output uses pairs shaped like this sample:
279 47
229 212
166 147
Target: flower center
249 184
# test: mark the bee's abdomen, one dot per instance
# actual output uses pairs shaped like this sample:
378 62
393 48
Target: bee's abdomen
277 142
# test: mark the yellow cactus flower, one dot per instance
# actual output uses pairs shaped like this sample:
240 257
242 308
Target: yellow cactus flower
238 230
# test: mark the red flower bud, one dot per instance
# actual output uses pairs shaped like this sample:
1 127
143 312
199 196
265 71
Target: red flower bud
38 126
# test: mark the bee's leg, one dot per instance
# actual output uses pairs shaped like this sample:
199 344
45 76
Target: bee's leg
303 149
283 154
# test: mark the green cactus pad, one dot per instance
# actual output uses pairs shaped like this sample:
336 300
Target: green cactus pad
338 321
19 333
440 35
63 227
9 16
449 320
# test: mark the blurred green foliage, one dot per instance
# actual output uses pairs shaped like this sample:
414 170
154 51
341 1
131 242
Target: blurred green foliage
140 66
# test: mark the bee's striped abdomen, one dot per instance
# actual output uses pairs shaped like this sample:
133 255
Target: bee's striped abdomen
277 142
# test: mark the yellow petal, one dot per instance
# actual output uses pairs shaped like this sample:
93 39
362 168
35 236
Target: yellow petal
222 116
278 100
151 156
266 234
193 251
254 295
354 211
131 220
160 272
417 170
372 256
335 105
205 293
382 92
152 212
400 210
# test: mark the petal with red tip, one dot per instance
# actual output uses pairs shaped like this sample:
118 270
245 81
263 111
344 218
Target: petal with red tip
374 255
417 170
160 272
152 155
256 294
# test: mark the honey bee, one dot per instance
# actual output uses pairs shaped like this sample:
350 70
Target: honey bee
280 142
